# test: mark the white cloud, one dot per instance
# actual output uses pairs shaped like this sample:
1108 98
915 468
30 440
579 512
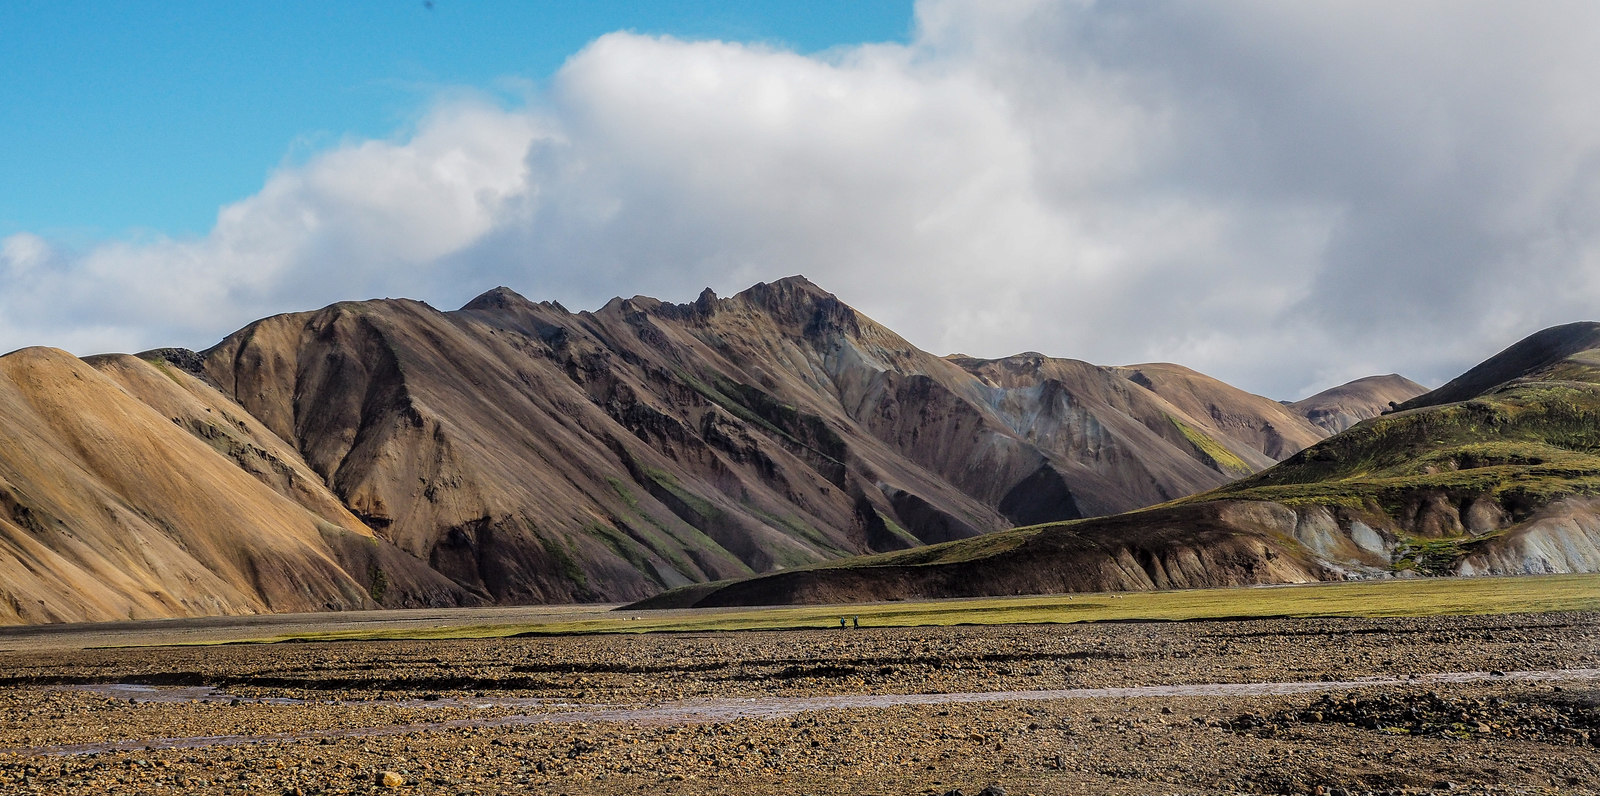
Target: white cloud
1282 194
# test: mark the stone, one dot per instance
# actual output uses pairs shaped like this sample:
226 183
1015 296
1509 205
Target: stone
993 790
389 779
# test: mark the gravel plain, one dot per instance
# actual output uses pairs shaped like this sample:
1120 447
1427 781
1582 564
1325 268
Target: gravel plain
727 712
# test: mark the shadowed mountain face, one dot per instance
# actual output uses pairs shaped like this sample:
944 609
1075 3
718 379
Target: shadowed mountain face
387 453
1505 482
1341 407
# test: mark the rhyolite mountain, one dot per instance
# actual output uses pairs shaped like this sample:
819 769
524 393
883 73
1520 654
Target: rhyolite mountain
385 453
1338 408
1495 473
535 454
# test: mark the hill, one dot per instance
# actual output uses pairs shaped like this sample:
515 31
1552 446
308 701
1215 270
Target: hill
1535 354
1338 408
1503 482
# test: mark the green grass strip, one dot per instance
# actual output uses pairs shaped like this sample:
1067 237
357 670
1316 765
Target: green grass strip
1389 598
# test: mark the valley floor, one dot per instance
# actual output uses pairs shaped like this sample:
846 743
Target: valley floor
793 711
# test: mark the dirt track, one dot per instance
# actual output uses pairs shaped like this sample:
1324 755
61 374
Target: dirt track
1496 734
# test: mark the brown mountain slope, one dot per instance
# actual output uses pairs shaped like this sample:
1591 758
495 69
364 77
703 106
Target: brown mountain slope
110 509
1338 408
533 454
1227 412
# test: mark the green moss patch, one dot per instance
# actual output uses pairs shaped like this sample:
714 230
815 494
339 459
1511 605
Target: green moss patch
1211 451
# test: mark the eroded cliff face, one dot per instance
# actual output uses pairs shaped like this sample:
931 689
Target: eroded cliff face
1125 445
1562 538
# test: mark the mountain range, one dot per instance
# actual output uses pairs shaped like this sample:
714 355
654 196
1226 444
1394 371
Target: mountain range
1495 473
385 453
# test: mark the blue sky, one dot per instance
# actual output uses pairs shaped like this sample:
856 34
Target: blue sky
1284 195
121 118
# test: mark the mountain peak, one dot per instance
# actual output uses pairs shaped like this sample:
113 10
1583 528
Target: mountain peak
499 298
798 281
795 300
790 290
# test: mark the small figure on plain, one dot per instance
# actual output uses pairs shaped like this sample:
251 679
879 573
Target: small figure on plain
841 623
857 620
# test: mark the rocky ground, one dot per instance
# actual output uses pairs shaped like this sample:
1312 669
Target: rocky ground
453 717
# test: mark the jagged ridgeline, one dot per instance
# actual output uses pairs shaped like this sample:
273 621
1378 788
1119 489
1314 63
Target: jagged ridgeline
387 453
1496 473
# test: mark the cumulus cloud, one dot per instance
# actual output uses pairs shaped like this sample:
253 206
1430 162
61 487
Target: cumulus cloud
1284 195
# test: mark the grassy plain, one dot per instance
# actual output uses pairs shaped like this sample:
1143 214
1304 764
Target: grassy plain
1420 597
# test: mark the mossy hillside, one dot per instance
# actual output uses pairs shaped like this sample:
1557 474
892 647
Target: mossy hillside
1524 446
1430 556
655 534
1583 366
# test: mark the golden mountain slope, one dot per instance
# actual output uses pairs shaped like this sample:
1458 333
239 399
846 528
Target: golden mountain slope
111 510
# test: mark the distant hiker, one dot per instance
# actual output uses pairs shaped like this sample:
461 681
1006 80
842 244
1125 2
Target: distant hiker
841 623
857 620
